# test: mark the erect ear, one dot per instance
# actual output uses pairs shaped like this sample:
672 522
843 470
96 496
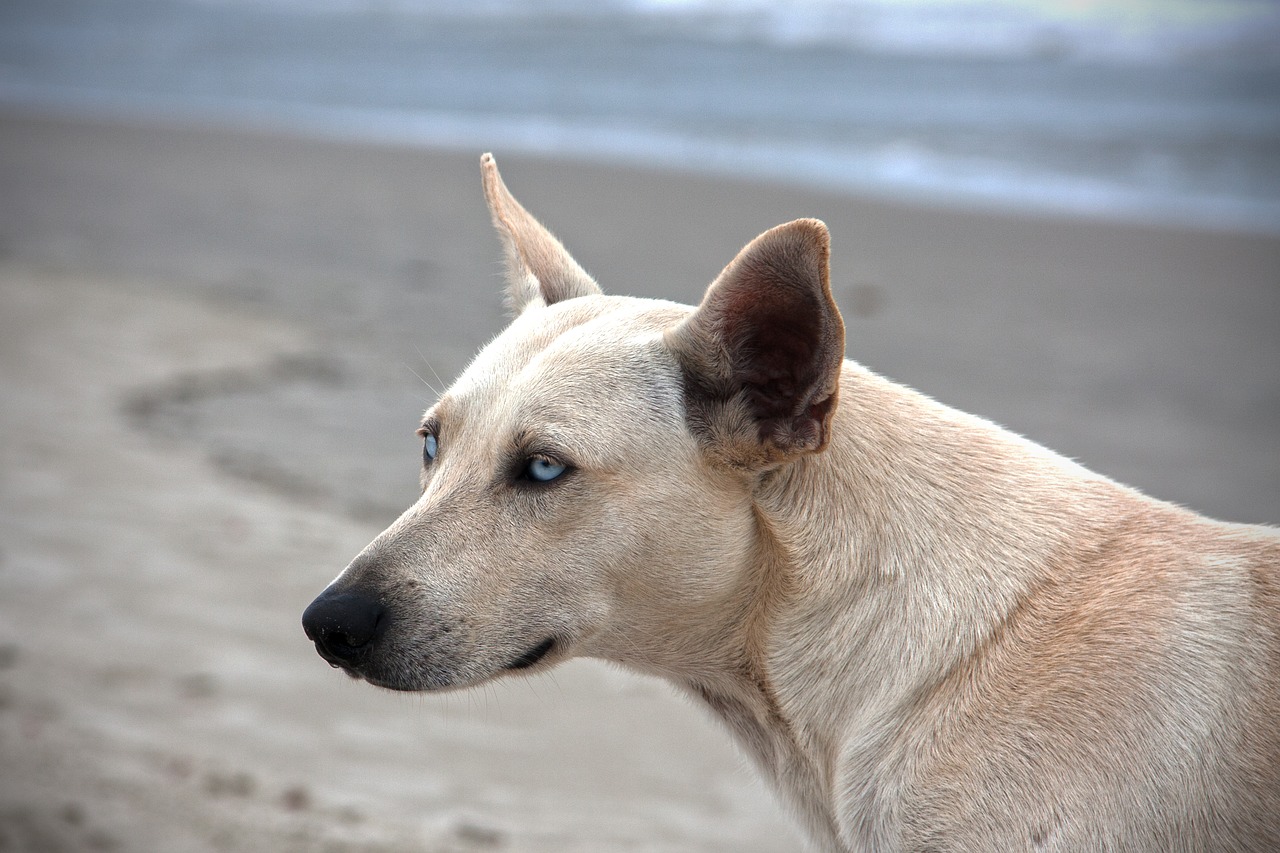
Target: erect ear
761 355
538 267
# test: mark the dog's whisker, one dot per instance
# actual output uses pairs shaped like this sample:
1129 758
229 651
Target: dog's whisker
434 390
432 369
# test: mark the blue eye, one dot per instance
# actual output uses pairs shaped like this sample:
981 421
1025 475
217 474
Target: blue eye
430 447
543 470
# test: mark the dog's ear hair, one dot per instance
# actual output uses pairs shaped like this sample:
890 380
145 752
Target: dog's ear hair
539 268
761 355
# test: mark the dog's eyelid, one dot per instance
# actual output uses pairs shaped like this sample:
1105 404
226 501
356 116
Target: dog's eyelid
551 458
545 451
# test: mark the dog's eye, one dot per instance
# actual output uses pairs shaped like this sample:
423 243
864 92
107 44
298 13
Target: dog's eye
430 447
540 469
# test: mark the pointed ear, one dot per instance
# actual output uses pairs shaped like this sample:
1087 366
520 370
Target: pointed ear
538 267
761 355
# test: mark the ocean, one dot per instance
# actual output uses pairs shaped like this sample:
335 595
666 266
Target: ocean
1160 111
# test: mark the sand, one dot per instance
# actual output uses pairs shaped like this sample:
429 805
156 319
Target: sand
214 346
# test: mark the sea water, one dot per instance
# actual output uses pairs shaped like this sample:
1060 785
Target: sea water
1148 110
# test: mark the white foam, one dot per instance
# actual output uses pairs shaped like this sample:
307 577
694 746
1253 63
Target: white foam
1129 31
1140 30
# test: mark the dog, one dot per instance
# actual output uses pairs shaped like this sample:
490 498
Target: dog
929 633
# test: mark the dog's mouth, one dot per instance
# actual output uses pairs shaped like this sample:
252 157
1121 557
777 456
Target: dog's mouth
443 682
534 655
378 677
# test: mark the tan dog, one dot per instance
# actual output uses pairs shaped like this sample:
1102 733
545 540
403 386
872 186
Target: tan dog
929 633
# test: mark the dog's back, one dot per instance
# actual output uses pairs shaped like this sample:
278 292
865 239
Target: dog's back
1019 653
1131 703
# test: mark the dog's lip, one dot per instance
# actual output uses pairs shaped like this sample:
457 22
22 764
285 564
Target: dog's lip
533 655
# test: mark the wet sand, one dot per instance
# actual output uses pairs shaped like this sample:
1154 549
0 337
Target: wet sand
213 350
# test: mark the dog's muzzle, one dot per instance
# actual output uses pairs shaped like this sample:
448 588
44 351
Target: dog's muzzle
344 626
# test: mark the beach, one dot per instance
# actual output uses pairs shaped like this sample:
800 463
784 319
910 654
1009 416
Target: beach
215 345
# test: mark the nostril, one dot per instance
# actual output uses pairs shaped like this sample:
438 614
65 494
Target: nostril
340 639
342 624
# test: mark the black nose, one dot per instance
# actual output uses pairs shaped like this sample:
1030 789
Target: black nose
343 624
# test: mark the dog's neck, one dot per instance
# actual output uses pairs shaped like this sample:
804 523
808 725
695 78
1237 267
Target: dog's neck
895 550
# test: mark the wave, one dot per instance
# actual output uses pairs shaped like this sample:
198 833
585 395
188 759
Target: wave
1117 31
892 171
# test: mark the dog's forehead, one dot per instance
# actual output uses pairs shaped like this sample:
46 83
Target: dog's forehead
595 345
587 376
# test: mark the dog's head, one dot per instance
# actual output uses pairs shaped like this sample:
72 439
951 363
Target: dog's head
587 482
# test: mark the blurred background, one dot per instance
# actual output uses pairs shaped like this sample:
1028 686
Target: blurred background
1164 110
242 245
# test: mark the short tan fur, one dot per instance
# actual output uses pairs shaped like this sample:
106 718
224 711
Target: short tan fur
929 633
